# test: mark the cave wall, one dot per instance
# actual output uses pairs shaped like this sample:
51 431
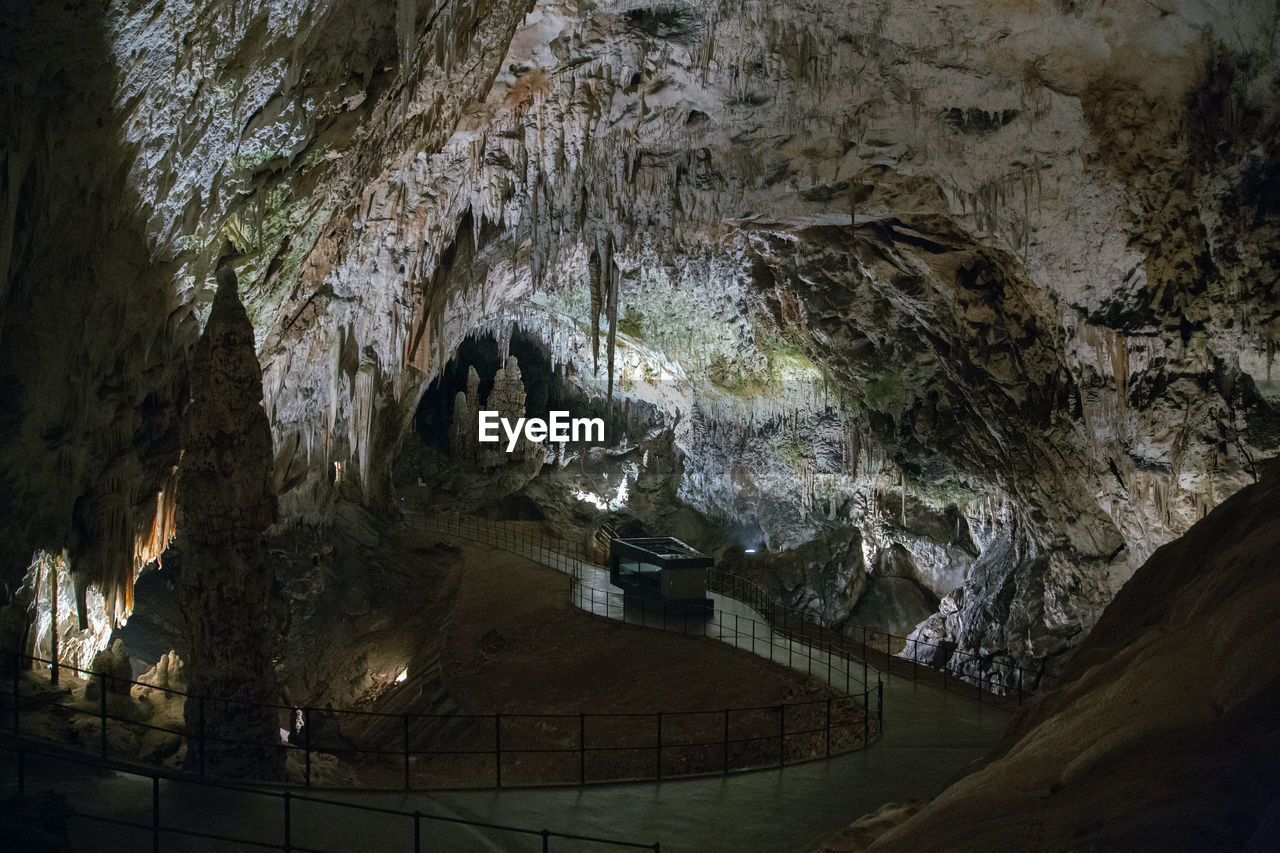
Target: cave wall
1029 277
1159 736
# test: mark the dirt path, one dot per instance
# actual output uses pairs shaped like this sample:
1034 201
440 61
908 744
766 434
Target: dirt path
517 645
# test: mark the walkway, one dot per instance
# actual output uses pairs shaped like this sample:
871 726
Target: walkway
732 621
929 737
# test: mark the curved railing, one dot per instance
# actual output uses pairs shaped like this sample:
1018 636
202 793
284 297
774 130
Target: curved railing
1002 681
292 833
444 751
982 677
810 654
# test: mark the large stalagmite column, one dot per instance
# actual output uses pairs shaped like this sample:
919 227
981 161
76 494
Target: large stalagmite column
229 594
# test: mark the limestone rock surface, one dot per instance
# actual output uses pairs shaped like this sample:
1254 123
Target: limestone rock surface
1159 735
1014 262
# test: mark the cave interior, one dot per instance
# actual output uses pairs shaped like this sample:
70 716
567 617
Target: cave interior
941 338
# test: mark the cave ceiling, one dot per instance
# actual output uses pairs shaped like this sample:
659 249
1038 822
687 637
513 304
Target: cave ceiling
1025 252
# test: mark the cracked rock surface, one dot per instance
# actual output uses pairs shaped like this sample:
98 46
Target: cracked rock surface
993 283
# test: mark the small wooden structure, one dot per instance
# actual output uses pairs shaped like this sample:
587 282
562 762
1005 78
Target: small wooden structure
661 568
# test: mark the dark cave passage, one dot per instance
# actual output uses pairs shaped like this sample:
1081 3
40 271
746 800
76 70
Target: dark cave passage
543 389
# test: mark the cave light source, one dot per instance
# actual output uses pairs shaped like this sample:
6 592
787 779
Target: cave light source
402 676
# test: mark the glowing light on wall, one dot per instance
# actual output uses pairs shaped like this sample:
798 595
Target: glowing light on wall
601 501
50 573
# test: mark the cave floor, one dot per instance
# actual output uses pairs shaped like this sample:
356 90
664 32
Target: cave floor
929 737
517 645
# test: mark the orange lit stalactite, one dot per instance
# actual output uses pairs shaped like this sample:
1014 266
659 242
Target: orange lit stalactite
150 540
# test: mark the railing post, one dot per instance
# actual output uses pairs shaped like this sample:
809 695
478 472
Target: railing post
497 749
417 831
201 735
880 704
155 812
828 727
828 663
782 735
17 694
864 646
306 725
102 710
658 761
888 657
753 636
866 714
288 825
726 741
407 785
582 748
546 835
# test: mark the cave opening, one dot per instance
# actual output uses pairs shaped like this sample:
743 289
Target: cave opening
542 381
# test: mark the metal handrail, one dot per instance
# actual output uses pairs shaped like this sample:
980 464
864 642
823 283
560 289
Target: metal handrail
157 829
558 553
938 663
836 659
200 740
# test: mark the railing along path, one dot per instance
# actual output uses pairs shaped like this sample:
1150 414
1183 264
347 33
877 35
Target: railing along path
982 677
417 751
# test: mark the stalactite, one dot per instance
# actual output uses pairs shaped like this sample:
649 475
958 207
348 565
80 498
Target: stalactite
904 498
597 306
615 281
151 541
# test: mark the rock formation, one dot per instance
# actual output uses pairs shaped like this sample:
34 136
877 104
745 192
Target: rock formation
1160 735
228 589
507 398
110 670
1011 264
167 674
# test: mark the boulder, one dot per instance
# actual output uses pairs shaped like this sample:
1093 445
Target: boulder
167 674
893 605
112 665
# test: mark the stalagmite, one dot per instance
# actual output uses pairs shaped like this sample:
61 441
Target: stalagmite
228 589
